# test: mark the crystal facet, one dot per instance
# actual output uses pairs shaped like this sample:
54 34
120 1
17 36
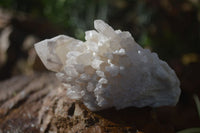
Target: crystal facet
110 69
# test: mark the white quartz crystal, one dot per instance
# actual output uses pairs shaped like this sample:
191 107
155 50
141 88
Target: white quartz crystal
110 69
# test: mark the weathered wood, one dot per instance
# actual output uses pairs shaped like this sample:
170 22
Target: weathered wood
38 103
21 98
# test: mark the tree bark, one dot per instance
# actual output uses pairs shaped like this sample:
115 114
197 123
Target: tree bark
38 103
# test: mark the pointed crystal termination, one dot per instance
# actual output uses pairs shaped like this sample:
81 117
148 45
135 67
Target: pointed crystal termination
110 69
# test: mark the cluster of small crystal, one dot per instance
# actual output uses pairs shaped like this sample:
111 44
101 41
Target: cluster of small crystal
110 69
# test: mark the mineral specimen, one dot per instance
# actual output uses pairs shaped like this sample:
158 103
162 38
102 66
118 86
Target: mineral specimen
109 69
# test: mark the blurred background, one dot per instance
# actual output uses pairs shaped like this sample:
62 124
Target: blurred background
170 28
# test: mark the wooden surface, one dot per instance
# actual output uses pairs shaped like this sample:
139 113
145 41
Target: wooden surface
38 103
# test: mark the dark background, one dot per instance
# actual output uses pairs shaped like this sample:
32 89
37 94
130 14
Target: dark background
170 28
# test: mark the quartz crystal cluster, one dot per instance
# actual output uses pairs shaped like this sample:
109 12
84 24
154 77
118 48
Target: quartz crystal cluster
109 69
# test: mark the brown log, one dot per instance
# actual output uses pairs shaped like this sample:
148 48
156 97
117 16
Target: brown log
38 103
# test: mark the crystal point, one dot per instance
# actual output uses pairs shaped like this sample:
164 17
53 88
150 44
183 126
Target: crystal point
110 69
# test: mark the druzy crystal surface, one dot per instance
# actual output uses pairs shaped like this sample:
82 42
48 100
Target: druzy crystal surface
109 69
